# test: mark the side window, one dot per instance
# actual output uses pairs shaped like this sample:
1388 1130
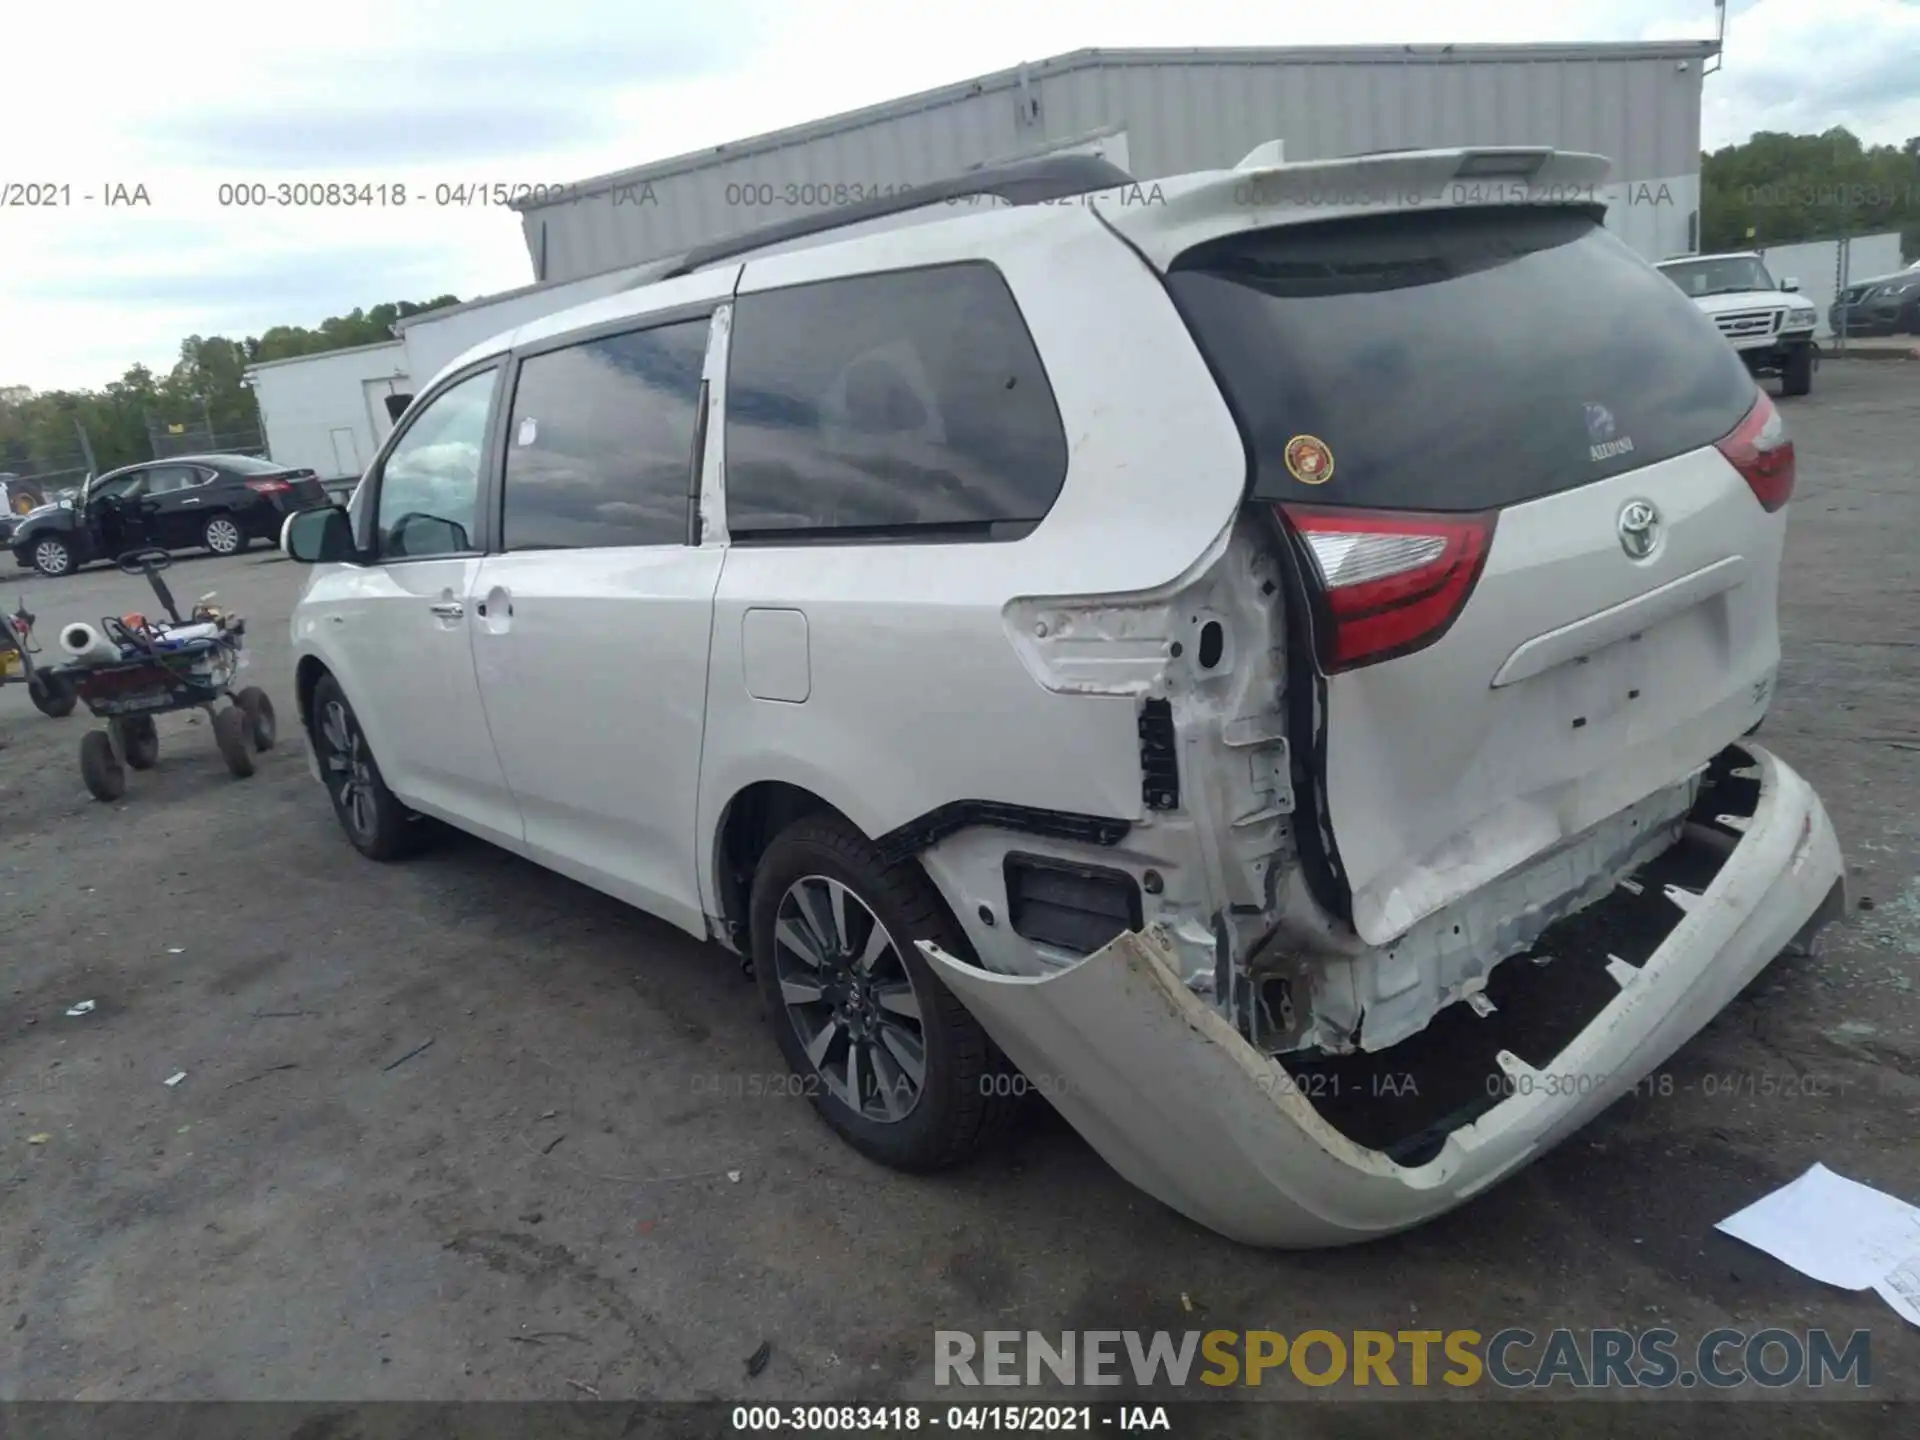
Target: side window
429 488
887 403
600 441
165 479
121 487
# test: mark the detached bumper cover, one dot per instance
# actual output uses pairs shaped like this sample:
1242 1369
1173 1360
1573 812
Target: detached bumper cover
1176 1101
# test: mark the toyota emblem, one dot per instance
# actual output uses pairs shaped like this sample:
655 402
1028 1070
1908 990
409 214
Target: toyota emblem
1639 529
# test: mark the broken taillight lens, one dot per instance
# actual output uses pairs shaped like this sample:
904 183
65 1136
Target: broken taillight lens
1393 581
1761 451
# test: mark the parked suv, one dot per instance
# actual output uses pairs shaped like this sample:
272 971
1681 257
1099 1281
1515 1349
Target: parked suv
220 502
1097 637
1768 322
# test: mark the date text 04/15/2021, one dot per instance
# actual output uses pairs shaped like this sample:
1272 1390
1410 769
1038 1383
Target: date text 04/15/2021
895 1419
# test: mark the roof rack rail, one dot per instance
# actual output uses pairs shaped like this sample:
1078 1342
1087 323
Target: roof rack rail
1021 182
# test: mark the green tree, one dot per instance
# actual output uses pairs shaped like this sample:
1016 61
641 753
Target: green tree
37 434
1776 188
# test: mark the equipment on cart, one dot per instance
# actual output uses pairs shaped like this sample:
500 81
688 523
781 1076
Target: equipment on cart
131 667
50 691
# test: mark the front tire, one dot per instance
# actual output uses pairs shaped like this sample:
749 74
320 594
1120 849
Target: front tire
1796 376
259 710
888 1056
377 824
106 777
52 556
223 536
230 733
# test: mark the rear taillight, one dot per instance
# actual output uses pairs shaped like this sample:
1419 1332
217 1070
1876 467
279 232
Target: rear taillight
1760 450
268 487
1393 581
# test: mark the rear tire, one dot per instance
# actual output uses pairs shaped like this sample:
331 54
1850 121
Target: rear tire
106 777
52 695
230 733
1796 376
877 996
223 536
377 824
139 740
259 710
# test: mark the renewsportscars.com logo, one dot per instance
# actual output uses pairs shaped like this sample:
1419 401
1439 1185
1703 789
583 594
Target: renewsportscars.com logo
1514 1358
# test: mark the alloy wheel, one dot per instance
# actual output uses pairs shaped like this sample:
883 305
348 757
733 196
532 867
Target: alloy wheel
223 536
50 557
349 769
850 998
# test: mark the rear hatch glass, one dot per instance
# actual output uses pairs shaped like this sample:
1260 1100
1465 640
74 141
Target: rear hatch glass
1456 360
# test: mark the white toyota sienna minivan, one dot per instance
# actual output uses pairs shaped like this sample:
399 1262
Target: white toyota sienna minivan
1264 659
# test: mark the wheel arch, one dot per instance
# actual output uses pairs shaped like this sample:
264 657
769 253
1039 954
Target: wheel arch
307 675
748 824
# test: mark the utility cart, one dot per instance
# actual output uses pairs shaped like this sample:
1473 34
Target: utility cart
163 666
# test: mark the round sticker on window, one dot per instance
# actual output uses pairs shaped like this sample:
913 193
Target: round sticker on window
529 430
1309 460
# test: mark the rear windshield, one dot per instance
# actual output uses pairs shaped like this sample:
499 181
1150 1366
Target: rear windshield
1458 360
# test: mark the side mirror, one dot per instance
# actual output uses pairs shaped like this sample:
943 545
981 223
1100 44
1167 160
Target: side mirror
319 537
1790 285
397 406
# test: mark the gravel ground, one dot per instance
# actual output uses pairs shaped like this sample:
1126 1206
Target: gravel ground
583 1179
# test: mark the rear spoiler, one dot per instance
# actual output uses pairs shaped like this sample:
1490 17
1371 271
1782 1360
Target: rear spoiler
1166 217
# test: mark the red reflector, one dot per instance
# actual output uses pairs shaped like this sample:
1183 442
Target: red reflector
268 487
1760 450
1393 580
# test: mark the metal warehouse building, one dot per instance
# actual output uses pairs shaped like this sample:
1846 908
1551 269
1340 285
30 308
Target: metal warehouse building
1163 112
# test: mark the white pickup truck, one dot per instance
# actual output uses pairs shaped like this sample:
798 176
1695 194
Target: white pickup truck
1768 322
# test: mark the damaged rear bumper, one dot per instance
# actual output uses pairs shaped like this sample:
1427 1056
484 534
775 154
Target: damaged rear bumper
1181 1105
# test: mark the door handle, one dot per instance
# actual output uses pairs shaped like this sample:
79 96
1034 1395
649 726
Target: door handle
191 500
449 609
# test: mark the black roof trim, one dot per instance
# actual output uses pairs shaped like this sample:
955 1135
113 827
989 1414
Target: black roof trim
1023 182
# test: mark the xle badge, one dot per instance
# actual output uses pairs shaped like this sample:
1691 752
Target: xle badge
1309 460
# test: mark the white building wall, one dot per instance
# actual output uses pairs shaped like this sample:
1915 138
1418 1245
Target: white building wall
323 412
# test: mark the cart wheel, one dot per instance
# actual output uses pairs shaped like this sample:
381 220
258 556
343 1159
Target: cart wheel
106 777
52 695
139 740
236 745
259 710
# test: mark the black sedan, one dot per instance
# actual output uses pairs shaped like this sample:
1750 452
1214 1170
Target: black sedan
220 503
1889 305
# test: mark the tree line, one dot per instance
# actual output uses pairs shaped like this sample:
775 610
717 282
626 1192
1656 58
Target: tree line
1776 189
38 435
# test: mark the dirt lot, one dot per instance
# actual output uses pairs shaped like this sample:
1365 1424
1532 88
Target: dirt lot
579 1179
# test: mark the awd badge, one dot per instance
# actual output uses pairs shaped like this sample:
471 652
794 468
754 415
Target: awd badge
1309 460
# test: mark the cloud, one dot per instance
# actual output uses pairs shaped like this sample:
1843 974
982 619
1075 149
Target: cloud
373 142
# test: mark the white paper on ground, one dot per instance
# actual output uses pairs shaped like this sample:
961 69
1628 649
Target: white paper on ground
1840 1232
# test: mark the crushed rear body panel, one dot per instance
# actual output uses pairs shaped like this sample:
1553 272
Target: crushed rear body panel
1179 1102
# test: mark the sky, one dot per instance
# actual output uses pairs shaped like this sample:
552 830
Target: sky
184 98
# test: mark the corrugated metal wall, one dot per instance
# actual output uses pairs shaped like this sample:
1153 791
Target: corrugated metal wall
1180 110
